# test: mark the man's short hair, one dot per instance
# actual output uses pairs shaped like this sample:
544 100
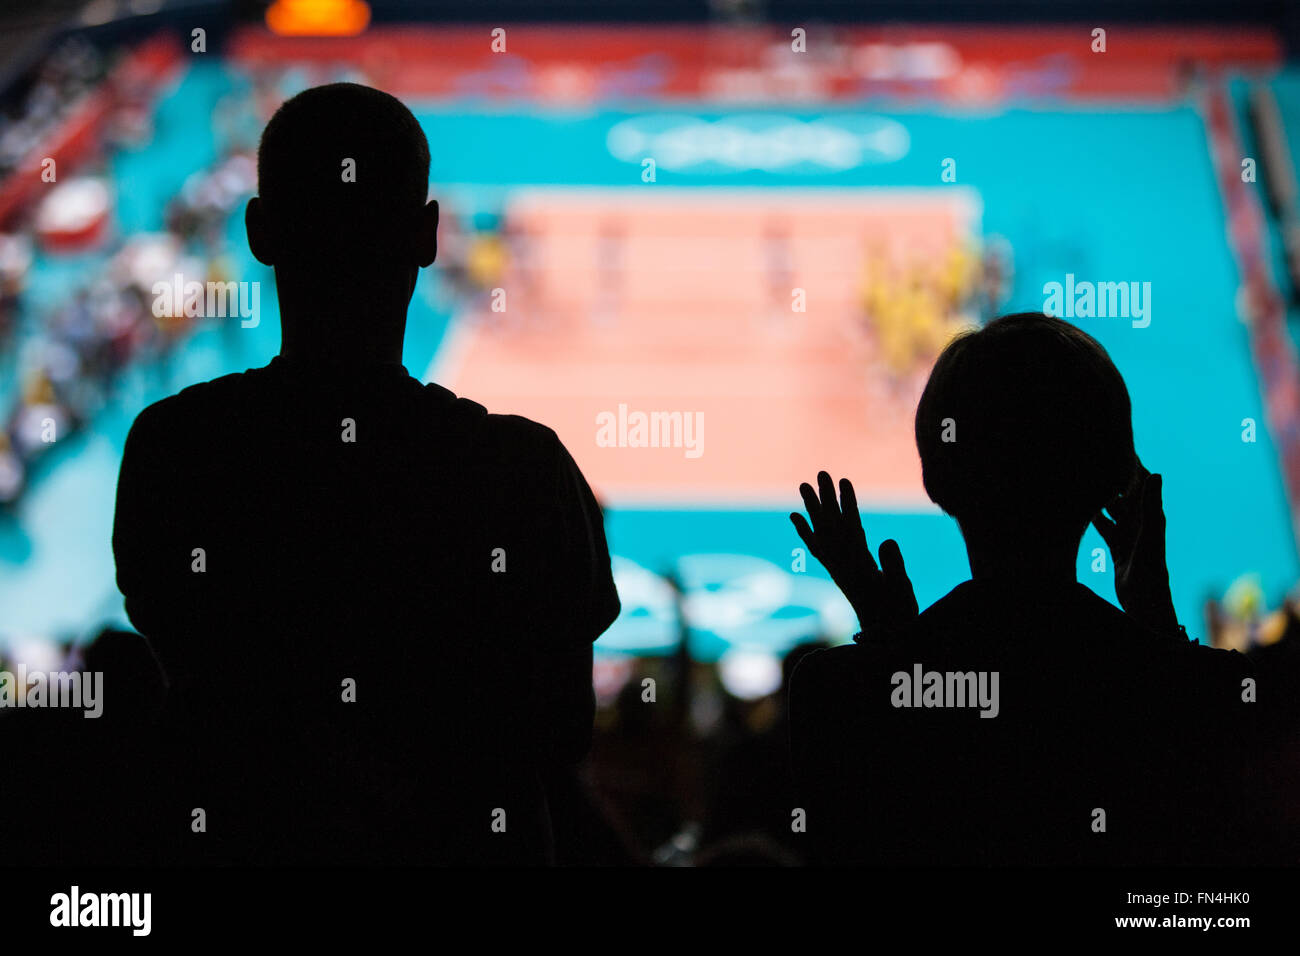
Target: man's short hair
1038 422
302 160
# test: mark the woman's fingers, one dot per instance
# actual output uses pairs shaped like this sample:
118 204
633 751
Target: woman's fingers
805 532
830 506
810 503
1153 505
849 507
898 586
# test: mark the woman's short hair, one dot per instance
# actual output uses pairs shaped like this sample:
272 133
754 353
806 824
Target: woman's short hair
1026 420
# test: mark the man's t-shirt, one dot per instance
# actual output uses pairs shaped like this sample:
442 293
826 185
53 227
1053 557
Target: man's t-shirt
375 602
1105 742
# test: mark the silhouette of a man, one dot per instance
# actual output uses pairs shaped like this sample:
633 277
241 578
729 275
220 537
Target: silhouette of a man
375 600
1021 718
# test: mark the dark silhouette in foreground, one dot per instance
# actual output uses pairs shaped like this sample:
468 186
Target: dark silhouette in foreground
1108 736
375 601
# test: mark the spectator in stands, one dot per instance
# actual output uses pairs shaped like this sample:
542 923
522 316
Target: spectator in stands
375 601
1021 718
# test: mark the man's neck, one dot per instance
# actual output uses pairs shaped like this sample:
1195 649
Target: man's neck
325 322
315 351
365 335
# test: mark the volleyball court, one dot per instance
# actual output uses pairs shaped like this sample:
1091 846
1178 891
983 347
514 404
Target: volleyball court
799 323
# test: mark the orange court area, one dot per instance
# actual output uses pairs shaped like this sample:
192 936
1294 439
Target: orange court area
675 300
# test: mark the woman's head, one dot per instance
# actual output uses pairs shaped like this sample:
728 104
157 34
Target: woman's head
1025 423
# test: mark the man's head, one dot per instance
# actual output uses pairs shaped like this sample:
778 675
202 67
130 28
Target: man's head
343 179
1025 427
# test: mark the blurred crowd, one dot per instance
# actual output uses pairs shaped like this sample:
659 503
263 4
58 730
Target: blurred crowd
69 365
73 70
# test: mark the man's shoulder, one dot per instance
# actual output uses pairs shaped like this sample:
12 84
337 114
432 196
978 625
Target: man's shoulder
222 398
163 416
510 431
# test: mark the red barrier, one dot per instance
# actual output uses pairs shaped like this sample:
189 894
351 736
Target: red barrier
78 137
1271 345
576 63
